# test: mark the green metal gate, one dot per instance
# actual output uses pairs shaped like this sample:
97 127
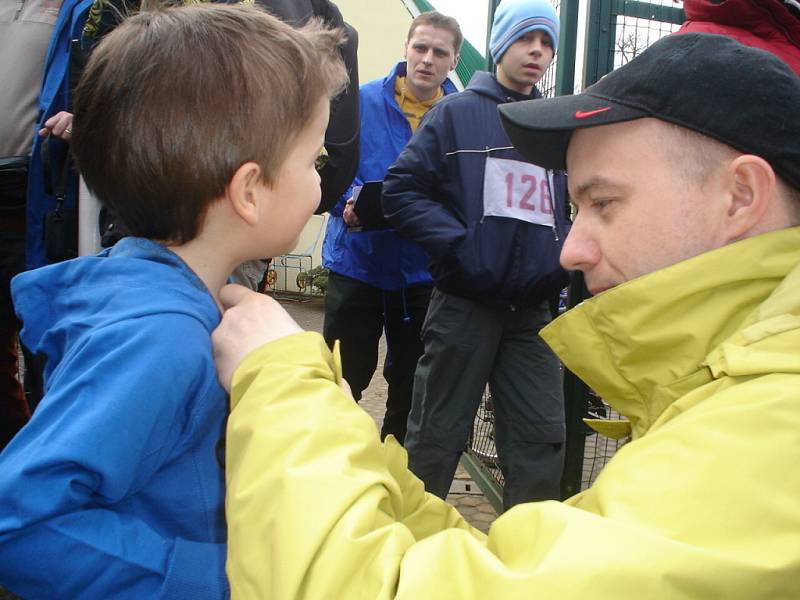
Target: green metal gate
618 30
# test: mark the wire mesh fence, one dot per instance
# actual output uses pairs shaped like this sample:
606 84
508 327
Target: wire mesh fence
635 34
597 449
482 441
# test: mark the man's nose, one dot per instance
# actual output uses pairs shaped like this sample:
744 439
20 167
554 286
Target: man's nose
580 251
428 58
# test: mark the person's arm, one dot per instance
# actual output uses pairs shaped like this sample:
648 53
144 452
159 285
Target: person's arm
373 517
336 208
319 508
342 135
412 188
115 409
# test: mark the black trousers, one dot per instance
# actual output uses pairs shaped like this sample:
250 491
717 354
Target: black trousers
357 314
468 345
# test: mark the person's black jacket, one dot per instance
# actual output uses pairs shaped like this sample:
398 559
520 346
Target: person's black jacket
341 137
434 195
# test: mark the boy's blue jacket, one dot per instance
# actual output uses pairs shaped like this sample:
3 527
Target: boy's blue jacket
379 258
114 488
433 195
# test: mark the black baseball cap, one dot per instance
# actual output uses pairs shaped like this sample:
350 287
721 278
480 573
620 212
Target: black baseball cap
744 97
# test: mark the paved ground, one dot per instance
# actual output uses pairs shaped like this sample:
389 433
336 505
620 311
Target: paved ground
474 505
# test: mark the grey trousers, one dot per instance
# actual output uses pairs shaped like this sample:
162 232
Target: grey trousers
468 345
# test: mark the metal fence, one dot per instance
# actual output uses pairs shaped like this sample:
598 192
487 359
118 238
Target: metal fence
618 30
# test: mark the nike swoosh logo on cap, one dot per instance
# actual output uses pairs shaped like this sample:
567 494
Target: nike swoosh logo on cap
591 113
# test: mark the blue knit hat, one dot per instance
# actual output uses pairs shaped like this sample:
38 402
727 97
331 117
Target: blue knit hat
515 18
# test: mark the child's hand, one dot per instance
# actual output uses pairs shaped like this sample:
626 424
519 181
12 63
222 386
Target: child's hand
250 321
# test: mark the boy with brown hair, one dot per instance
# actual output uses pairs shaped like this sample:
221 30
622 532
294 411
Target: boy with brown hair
115 488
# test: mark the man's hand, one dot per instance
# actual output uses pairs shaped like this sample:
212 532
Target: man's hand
59 125
349 214
250 320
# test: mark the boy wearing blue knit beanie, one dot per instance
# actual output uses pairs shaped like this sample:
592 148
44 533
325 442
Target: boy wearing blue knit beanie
492 225
523 42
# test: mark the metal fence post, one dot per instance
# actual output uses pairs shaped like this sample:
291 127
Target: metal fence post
567 48
493 4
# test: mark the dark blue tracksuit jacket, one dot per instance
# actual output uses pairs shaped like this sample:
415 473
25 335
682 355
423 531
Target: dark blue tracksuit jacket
433 195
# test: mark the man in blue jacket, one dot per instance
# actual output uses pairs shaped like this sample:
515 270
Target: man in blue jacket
379 281
493 226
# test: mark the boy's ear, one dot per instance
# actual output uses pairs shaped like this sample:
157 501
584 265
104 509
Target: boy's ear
751 193
243 192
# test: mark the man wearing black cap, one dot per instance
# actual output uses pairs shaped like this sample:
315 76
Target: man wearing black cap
685 168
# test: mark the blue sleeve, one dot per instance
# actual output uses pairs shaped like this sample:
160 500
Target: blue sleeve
412 189
118 407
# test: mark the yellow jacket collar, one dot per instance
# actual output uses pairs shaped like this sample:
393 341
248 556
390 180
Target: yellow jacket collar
645 343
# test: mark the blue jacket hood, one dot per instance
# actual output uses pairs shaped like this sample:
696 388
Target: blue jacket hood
59 302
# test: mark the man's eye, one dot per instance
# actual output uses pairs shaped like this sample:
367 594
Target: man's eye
601 204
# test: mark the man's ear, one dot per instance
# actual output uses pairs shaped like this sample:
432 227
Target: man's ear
455 62
752 195
242 192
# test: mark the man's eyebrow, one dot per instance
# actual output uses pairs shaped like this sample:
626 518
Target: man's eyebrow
598 181
434 46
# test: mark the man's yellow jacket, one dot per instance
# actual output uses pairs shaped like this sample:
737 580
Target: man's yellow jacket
703 358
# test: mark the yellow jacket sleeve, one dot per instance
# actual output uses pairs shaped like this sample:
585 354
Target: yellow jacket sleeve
310 484
318 508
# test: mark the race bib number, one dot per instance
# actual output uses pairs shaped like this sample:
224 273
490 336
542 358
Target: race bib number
517 190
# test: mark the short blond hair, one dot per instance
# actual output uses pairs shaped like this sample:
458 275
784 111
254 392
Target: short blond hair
175 100
439 21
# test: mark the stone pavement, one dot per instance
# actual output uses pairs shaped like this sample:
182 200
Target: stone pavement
474 506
